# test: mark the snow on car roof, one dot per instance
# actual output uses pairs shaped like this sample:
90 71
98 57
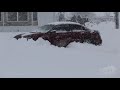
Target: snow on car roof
58 23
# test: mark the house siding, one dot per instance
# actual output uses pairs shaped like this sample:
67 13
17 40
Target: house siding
1 22
18 23
25 26
45 17
29 22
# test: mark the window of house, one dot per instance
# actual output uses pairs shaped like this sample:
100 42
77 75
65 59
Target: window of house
35 16
17 16
22 16
12 16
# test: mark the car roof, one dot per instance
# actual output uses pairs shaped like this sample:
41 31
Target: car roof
66 22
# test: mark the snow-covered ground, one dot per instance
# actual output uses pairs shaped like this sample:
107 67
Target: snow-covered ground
24 58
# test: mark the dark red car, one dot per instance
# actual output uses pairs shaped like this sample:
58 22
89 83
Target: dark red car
61 34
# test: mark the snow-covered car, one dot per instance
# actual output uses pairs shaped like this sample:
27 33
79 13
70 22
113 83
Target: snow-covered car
61 34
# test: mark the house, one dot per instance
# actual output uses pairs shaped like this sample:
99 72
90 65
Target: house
24 21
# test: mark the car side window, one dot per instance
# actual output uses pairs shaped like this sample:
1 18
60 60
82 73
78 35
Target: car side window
84 28
57 27
62 27
68 27
78 27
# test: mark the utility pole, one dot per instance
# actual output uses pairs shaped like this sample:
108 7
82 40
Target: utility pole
117 20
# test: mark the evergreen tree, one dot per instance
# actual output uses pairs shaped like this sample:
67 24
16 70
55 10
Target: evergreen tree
74 19
80 20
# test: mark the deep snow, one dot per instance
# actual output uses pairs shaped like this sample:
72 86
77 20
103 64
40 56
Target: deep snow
24 58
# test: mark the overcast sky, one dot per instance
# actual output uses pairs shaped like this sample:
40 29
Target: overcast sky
103 13
100 13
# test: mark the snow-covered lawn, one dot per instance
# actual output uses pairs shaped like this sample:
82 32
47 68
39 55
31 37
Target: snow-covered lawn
24 58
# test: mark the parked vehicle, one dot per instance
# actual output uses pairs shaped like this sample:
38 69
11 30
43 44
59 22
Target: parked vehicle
61 34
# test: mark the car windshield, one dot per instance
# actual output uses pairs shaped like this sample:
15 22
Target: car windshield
46 27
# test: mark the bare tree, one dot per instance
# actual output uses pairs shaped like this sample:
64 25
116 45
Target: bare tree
117 20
